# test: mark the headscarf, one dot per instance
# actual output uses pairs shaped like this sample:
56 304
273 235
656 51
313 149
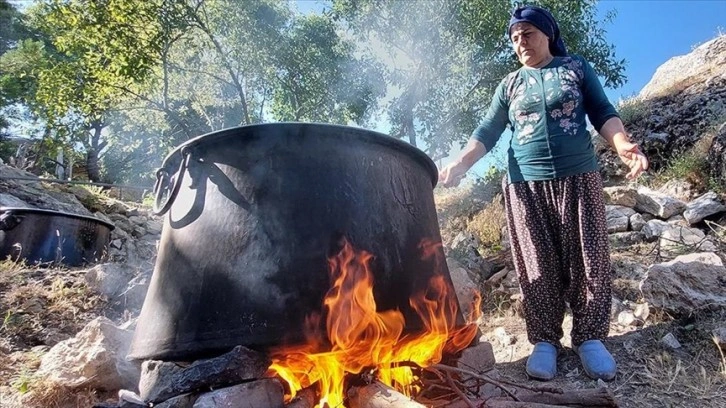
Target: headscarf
543 20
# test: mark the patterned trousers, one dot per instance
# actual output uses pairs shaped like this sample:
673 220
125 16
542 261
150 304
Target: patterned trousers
560 247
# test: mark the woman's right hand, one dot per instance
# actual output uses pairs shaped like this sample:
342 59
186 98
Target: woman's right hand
452 174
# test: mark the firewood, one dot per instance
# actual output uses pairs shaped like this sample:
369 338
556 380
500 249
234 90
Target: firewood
595 398
305 398
517 404
378 395
599 398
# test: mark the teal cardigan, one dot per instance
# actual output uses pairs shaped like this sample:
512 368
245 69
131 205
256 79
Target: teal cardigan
546 107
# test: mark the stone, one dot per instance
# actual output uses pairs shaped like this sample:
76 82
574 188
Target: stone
719 337
626 318
121 222
679 239
680 189
653 229
154 227
94 358
180 401
677 219
163 380
137 220
658 204
703 60
9 200
267 393
642 311
103 217
637 222
625 239
109 279
620 196
687 283
479 358
130 399
466 290
138 231
618 218
671 341
702 207
465 249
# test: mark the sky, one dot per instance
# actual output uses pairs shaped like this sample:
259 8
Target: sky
647 33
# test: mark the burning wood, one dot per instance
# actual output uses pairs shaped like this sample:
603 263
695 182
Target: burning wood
360 337
378 395
306 398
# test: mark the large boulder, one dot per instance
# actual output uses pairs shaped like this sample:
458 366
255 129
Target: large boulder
94 358
708 59
687 283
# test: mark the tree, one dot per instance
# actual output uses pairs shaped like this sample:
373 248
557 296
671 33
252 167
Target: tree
89 53
445 58
228 63
12 31
318 79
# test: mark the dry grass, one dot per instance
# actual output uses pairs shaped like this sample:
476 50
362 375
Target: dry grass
48 394
39 308
691 165
487 226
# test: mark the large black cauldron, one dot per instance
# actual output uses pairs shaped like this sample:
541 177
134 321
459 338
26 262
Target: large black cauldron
254 212
39 235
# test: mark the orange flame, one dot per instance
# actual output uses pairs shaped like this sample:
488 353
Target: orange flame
361 338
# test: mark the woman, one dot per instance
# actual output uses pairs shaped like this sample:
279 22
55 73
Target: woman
553 192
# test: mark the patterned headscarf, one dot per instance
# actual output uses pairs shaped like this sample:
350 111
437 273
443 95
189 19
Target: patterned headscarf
543 20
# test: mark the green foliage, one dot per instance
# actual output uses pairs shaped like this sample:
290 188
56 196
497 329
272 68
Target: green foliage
319 80
126 81
690 166
12 28
632 110
585 35
445 58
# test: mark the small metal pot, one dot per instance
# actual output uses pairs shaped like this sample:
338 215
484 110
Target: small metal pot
37 235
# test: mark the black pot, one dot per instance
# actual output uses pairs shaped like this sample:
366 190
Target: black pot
39 236
253 215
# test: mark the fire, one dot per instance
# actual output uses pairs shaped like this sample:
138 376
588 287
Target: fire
361 338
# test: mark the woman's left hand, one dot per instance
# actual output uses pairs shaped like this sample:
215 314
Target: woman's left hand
631 155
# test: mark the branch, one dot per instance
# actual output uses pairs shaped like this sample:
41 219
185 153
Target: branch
196 71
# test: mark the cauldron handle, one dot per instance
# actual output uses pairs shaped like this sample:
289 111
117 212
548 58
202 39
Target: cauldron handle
8 220
163 180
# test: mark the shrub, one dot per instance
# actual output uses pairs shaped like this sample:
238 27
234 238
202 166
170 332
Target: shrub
632 110
487 226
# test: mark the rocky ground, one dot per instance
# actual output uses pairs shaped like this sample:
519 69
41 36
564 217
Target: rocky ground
65 330
667 329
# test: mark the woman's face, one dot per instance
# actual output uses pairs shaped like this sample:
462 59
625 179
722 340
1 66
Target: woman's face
530 44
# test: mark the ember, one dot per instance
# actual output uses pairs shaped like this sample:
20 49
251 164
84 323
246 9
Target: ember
361 339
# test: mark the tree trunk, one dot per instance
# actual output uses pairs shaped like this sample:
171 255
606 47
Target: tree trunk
94 152
407 128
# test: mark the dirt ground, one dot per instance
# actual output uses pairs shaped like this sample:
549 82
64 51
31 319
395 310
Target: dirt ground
650 373
43 306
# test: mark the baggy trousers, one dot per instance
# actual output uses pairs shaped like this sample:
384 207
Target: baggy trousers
560 248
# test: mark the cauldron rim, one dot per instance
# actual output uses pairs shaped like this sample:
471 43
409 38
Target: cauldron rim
374 136
44 211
